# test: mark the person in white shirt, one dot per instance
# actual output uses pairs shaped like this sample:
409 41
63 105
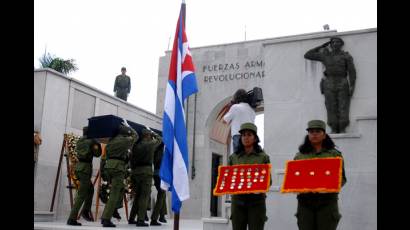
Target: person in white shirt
240 112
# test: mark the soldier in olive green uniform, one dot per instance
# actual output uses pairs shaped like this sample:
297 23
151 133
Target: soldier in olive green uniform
318 211
86 149
118 150
160 208
249 209
142 158
339 82
122 85
105 178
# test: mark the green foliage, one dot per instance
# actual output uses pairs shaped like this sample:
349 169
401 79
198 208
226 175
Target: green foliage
58 64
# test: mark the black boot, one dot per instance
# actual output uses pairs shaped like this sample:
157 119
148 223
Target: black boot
154 223
162 219
141 223
107 223
132 222
146 217
73 222
87 215
116 214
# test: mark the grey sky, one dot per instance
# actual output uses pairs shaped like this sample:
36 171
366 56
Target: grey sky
104 35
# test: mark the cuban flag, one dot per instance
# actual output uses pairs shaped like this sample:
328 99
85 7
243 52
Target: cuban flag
181 84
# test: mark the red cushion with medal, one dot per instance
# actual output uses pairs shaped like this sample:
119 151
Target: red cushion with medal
242 179
313 175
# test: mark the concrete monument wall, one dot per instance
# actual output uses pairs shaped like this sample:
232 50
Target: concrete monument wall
63 105
292 96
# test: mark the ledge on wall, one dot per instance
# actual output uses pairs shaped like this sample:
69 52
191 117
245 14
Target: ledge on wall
353 135
344 135
369 117
215 220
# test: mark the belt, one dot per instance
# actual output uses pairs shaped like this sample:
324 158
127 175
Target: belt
134 167
116 158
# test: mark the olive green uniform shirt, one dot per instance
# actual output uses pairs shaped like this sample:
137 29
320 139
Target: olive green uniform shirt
252 158
122 84
118 150
249 210
142 157
86 149
318 211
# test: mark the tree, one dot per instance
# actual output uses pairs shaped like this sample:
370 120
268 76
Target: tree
58 64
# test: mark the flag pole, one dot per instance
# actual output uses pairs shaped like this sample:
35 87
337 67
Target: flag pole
176 215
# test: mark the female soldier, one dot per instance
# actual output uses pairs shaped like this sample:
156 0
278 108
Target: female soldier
318 211
249 209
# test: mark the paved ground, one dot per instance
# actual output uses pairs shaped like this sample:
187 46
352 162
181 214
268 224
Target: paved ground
183 225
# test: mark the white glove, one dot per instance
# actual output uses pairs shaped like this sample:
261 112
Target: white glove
125 123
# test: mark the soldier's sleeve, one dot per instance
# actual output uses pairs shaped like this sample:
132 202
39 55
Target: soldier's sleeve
134 135
115 84
156 156
314 54
158 140
230 160
129 85
351 70
296 156
344 180
339 154
267 161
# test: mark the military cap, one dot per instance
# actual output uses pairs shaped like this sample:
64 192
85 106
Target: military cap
145 131
248 126
124 130
337 38
316 124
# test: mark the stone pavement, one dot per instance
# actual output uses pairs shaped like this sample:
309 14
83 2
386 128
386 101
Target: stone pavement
184 224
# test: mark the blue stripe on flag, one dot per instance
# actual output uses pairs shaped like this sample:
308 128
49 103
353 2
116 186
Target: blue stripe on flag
189 86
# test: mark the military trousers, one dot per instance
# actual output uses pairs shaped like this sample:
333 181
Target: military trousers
251 214
122 94
160 208
337 102
142 187
116 192
317 215
84 195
